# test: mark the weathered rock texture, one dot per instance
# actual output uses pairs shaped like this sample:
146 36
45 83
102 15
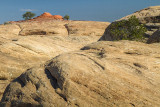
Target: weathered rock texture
25 52
25 44
62 28
149 16
43 28
86 28
155 38
104 73
47 24
123 73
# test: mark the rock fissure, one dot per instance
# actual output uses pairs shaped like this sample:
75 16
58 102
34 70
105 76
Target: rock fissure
97 63
27 48
67 28
21 29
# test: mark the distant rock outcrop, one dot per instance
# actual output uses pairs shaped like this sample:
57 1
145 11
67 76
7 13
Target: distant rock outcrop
43 17
48 24
62 28
149 16
47 15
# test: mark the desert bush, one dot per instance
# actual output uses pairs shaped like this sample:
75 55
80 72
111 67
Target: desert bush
7 23
130 29
66 17
28 15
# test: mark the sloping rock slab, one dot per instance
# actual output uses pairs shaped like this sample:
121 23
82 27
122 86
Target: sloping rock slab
147 15
86 28
101 74
33 89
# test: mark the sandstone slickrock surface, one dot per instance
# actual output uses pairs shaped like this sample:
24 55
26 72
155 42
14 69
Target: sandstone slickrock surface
26 44
123 73
63 28
86 28
48 24
149 16
103 73
43 28
17 56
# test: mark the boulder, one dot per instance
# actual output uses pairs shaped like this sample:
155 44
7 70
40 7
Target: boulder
123 73
155 38
38 90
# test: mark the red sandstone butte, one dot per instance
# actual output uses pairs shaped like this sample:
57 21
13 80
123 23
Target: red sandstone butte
47 15
43 17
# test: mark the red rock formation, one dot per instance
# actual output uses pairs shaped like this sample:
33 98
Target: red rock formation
58 17
47 15
43 17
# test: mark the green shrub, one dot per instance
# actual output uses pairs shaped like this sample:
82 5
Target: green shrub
130 29
7 23
66 17
28 15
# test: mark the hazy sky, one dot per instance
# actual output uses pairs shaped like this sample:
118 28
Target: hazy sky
95 10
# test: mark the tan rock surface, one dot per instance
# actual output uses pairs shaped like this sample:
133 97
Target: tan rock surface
63 28
28 51
19 53
123 73
86 28
8 32
43 28
147 15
